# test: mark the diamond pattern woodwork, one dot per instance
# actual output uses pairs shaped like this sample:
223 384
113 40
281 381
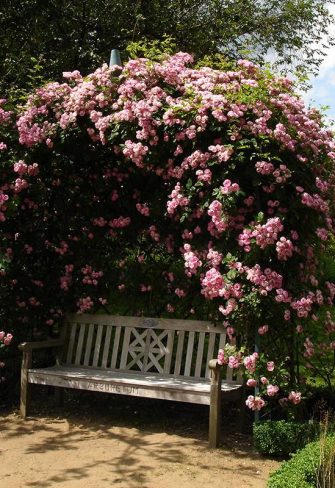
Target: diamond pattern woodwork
148 350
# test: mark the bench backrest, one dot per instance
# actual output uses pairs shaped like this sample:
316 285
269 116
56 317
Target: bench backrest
148 345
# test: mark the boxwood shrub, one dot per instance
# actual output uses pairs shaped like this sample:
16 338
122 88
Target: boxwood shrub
305 468
281 438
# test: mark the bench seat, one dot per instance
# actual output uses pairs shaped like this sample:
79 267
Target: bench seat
191 390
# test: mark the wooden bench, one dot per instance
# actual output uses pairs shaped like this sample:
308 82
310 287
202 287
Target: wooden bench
146 357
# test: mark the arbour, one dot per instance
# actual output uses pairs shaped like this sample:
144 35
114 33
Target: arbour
208 191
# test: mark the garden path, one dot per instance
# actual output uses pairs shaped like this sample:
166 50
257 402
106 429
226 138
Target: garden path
132 446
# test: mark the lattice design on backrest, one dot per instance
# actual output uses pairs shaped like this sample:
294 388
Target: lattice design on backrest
149 350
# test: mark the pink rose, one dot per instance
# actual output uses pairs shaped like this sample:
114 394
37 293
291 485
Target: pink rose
272 390
8 339
254 403
295 397
233 362
263 330
270 366
221 356
250 363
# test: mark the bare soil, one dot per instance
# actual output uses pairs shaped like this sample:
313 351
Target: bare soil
100 441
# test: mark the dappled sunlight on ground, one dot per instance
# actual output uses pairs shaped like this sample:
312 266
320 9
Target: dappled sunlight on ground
99 441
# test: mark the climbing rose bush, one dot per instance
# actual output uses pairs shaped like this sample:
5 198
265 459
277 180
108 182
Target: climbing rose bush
5 340
160 188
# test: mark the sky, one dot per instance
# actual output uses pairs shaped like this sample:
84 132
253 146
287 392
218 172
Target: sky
323 86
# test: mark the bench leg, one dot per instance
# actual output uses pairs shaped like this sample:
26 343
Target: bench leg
25 386
59 396
215 411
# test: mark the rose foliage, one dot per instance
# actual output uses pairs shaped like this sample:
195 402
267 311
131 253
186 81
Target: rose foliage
160 188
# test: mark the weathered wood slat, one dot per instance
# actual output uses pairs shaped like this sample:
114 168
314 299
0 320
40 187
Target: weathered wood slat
179 354
88 350
106 350
125 348
146 322
178 395
135 379
210 351
229 375
189 354
168 355
239 378
115 347
77 360
222 341
71 344
200 352
97 346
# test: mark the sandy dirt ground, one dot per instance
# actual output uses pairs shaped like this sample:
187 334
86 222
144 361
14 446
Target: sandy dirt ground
84 445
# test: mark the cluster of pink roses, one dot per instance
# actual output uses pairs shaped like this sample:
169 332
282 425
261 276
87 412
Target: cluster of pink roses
5 339
256 380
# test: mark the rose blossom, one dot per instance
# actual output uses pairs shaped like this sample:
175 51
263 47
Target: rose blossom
272 390
295 397
263 329
221 356
254 403
270 366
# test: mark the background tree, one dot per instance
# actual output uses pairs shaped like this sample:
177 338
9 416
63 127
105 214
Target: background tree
61 35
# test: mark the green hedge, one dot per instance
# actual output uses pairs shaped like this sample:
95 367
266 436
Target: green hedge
282 438
303 470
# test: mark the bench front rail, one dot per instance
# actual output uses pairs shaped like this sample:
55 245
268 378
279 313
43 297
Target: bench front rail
148 357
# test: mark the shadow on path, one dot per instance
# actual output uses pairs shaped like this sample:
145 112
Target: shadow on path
126 441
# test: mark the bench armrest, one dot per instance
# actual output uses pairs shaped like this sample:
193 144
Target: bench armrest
214 364
29 346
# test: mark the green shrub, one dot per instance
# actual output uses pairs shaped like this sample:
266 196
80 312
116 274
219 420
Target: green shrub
282 438
312 467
